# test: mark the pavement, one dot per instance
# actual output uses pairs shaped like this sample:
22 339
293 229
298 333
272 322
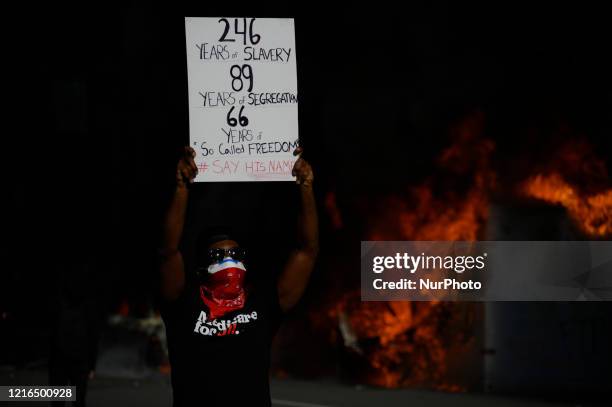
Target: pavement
155 391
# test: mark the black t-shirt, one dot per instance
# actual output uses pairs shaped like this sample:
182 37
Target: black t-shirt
223 361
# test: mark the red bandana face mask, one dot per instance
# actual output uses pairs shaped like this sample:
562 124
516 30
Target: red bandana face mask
224 290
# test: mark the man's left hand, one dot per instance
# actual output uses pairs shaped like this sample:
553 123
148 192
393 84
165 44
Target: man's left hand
302 170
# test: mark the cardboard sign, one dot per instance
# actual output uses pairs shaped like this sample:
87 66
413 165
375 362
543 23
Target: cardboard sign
243 106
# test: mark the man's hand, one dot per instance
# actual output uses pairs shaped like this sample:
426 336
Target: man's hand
186 169
302 170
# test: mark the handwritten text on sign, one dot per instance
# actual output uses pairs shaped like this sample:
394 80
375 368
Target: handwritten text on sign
243 114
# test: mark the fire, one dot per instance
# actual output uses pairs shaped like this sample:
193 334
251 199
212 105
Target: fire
409 344
592 213
415 344
589 206
434 219
409 348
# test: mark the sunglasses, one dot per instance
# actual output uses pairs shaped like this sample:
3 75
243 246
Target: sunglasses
218 254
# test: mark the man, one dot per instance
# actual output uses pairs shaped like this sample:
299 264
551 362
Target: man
220 330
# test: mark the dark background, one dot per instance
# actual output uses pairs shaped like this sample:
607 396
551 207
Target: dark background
97 112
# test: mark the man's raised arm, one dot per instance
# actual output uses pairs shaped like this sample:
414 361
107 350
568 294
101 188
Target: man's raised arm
294 278
172 269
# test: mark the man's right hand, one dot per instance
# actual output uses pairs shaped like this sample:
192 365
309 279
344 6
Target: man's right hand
186 169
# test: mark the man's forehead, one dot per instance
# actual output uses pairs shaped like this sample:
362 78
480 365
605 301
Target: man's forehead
224 244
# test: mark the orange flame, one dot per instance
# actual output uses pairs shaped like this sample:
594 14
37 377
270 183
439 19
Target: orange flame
413 339
589 206
592 213
412 344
